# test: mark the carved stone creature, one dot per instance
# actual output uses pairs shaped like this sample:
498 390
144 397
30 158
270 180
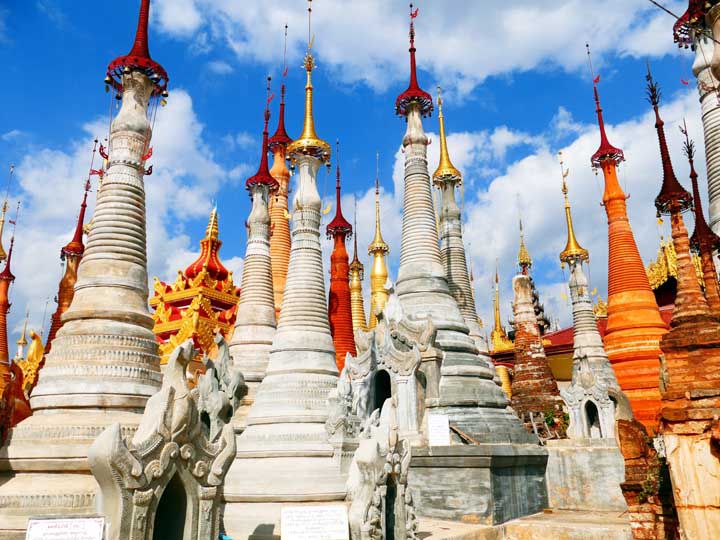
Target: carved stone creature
181 452
381 503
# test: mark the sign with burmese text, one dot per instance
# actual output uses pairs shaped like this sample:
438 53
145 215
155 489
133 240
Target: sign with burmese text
438 430
326 522
80 528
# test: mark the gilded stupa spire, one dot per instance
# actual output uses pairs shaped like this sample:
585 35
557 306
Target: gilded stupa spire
22 340
524 259
500 340
445 169
573 251
378 249
357 274
309 142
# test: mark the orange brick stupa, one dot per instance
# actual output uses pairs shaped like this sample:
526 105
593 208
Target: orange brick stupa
634 325
279 216
339 304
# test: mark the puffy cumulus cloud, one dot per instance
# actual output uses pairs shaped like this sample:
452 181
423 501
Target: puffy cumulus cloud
185 178
220 67
452 43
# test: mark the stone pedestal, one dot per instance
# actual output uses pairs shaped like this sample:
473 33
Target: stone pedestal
484 484
585 474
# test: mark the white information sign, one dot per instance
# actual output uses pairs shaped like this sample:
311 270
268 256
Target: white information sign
81 528
438 426
327 522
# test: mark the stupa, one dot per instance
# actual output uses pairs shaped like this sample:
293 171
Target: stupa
378 250
357 274
283 456
103 365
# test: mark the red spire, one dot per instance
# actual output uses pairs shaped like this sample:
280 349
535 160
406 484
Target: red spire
76 246
6 274
209 258
263 176
672 197
702 233
606 150
139 58
280 137
413 94
339 225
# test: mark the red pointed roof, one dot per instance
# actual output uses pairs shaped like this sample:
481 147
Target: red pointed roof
672 197
606 150
6 274
139 57
263 176
209 258
413 94
339 225
702 233
688 22
76 246
280 138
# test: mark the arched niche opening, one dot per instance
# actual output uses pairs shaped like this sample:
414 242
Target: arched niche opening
381 389
592 421
171 512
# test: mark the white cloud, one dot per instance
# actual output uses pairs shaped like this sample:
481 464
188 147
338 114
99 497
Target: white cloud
459 46
185 179
10 135
220 68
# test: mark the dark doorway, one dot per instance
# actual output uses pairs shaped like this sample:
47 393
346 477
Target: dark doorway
592 418
170 513
381 389
390 501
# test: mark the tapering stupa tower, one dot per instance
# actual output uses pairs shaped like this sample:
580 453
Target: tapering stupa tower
255 324
586 337
71 254
339 302
279 217
634 325
357 274
693 30
468 394
13 405
534 388
452 249
703 240
103 365
378 250
690 370
284 455
500 341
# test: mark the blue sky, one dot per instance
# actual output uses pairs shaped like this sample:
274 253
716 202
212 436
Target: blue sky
517 90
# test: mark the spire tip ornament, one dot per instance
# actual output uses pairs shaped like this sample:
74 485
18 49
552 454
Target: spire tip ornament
414 94
573 251
445 168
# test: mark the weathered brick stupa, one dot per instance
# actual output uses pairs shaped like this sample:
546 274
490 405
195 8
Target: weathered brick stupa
283 456
534 389
279 217
378 250
634 325
255 324
690 372
452 250
357 274
339 303
103 365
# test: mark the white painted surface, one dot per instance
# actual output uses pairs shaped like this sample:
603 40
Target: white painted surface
66 529
328 522
438 430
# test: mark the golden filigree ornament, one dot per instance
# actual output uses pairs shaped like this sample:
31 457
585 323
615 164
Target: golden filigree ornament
664 266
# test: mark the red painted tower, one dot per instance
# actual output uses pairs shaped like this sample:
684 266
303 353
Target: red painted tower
339 305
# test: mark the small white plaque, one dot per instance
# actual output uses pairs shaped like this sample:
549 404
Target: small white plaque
326 522
438 426
81 528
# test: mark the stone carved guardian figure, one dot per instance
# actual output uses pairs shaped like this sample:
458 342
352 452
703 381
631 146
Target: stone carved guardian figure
170 475
381 504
